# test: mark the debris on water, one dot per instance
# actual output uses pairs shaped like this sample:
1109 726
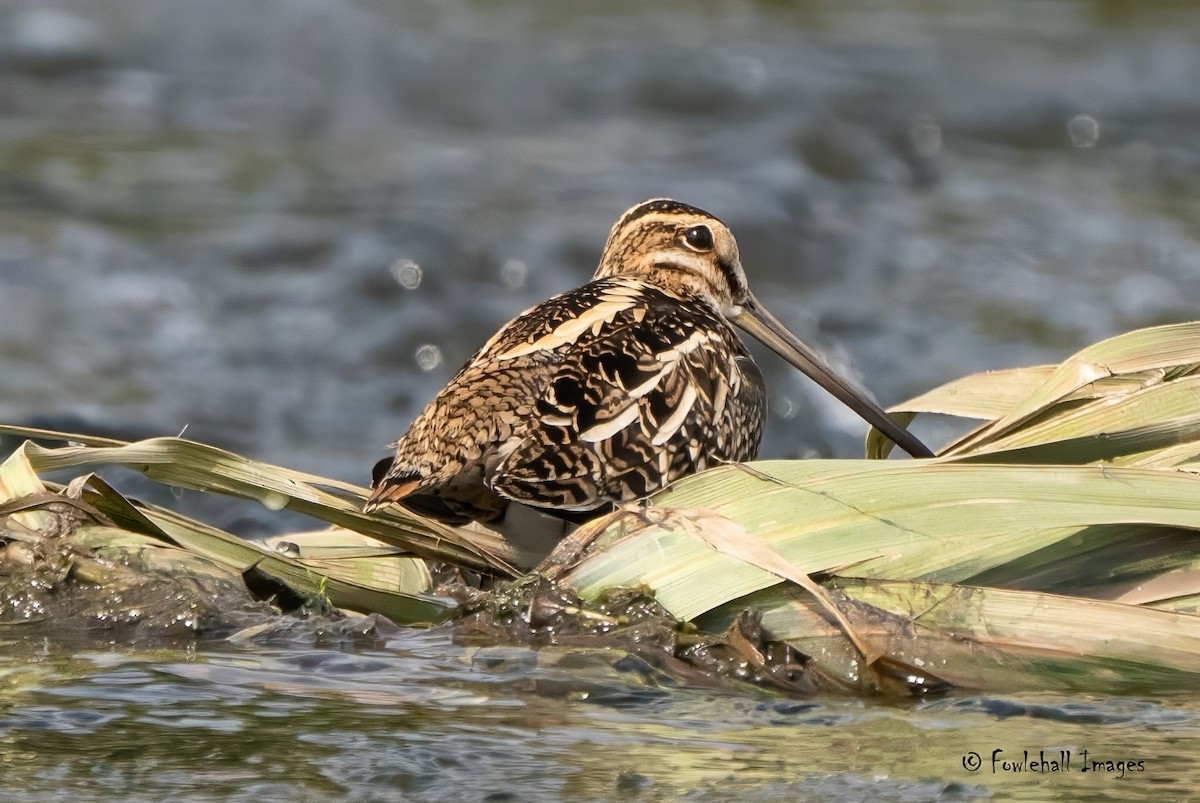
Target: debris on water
334 631
78 575
538 613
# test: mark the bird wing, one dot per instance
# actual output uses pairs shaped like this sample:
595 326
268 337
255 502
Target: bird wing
645 391
439 464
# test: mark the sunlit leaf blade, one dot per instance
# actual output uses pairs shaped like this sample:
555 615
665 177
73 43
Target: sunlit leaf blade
349 556
1143 445
987 637
1171 347
1154 416
1107 562
403 600
988 395
1137 389
187 464
927 521
985 396
977 637
52 435
409 609
168 541
1184 456
19 480
121 547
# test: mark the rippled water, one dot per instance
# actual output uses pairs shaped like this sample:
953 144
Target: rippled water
420 719
283 225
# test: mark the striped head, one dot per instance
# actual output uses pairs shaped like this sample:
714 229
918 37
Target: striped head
692 254
679 248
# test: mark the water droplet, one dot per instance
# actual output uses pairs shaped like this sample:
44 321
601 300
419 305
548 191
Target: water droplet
273 501
407 273
513 273
428 357
288 548
785 408
1084 130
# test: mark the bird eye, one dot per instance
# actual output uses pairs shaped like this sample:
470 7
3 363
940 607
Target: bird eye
698 238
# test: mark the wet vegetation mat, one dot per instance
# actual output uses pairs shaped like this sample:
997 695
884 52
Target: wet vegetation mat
1054 545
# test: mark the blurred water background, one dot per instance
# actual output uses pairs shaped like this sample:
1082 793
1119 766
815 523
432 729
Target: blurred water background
283 225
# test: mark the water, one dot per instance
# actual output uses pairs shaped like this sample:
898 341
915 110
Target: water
417 718
282 226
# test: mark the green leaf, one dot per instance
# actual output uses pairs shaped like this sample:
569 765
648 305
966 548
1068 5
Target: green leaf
925 520
187 464
1130 394
989 638
919 522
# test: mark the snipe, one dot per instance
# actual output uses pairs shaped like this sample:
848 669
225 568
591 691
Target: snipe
609 392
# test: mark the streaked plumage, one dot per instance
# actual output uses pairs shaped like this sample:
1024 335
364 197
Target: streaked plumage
602 394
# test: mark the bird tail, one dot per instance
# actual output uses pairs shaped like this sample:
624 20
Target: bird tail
390 487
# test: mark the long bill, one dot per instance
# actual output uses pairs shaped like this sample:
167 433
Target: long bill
765 327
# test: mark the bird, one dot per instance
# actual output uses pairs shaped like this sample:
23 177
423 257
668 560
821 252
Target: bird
609 392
